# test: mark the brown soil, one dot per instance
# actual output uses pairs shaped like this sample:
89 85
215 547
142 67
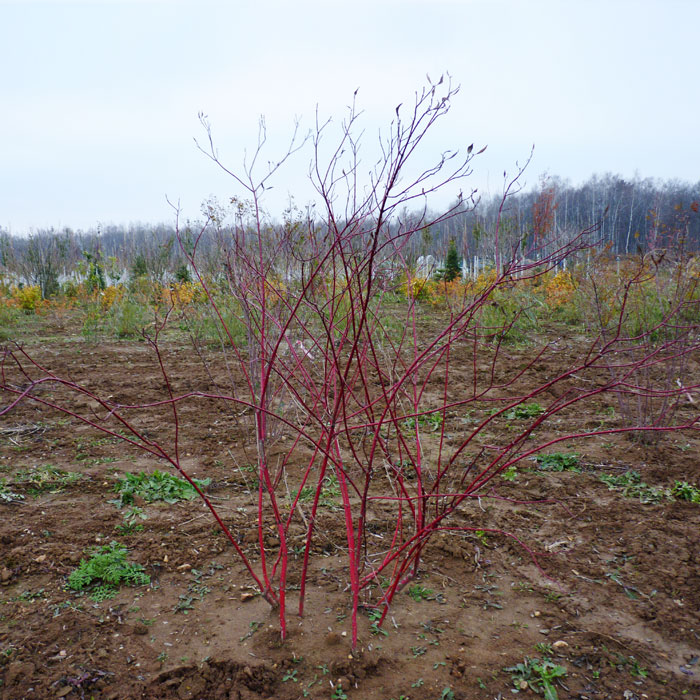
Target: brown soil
616 594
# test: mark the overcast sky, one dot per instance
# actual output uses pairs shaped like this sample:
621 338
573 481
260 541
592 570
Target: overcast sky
100 98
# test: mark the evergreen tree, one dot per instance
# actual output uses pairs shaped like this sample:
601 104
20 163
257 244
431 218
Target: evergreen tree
182 274
453 265
139 266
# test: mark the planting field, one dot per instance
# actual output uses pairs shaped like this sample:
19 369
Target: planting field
573 573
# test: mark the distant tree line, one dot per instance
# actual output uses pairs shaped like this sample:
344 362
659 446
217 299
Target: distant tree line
630 215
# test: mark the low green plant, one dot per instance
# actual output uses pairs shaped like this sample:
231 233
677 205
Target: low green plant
482 536
632 665
338 693
526 410
47 479
418 593
559 462
32 595
105 571
128 528
290 675
632 486
7 496
155 486
184 604
128 318
131 524
9 317
205 327
253 627
510 474
636 669
432 420
510 317
539 676
684 491
375 615
330 492
196 591
93 321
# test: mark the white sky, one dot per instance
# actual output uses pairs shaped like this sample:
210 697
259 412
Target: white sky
99 99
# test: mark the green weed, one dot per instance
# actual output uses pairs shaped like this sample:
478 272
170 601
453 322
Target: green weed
482 536
7 496
559 462
109 569
510 474
127 319
539 676
432 420
47 479
684 491
632 486
156 486
419 593
330 492
131 524
526 410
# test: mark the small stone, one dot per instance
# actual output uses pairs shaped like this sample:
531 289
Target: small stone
537 613
543 630
560 644
332 638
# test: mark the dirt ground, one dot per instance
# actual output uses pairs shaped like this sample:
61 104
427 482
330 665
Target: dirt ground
616 600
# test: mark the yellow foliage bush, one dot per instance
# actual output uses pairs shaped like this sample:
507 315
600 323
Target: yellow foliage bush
559 289
182 294
417 288
27 298
110 295
484 281
276 287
